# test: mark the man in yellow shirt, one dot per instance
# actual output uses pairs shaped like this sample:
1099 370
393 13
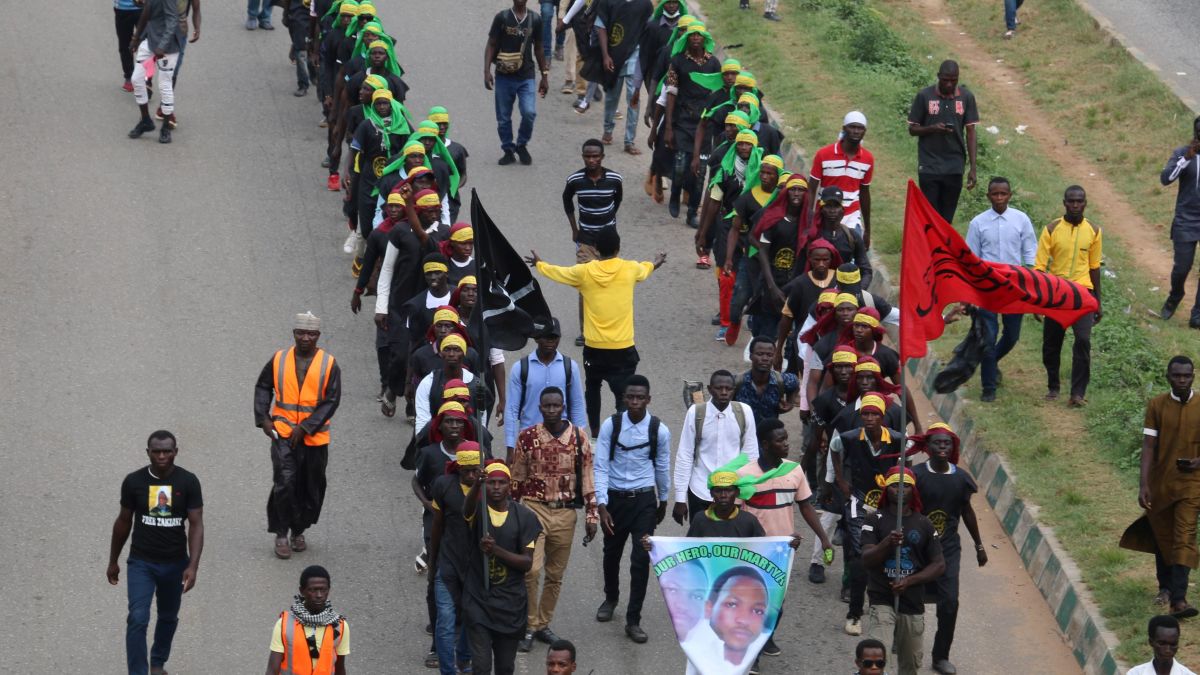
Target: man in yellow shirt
1070 247
606 286
310 629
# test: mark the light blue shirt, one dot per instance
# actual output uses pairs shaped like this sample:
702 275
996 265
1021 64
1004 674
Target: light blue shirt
1003 237
541 376
631 469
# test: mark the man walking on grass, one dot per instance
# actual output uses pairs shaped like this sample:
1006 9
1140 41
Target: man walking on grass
1185 228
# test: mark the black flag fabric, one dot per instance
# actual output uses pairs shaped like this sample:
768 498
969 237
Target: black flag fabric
509 296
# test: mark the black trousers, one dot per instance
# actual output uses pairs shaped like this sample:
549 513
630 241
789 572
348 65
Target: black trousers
613 366
942 191
126 20
398 352
1185 256
696 505
1081 353
298 489
1172 578
366 205
490 647
633 516
946 590
684 179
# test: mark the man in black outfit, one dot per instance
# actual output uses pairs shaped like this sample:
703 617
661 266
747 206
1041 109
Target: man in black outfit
296 18
939 115
164 555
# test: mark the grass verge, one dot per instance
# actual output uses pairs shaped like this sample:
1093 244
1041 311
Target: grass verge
831 56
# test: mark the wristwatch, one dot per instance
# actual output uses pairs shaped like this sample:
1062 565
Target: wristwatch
546 71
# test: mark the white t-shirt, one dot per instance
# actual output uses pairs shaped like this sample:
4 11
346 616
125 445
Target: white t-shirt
1148 669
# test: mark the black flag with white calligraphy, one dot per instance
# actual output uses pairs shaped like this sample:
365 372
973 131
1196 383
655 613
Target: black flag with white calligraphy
509 297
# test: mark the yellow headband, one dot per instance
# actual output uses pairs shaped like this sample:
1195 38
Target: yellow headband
452 406
431 201
849 277
939 426
737 121
395 198
867 366
745 80
381 93
349 10
722 479
366 8
845 357
377 43
827 296
468 280
376 82
748 98
413 148
845 298
773 160
796 181
731 66
686 20
873 400
867 319
899 476
747 137
445 315
455 392
467 458
440 118
465 234
498 467
434 267
454 340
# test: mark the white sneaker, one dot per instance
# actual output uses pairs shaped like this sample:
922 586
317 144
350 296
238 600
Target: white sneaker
351 241
853 626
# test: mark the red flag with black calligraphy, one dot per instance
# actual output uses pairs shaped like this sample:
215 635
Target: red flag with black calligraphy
937 268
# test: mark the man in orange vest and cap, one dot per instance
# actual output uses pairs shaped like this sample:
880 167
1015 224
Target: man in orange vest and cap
296 395
310 637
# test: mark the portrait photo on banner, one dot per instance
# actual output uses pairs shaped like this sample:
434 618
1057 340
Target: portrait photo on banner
724 596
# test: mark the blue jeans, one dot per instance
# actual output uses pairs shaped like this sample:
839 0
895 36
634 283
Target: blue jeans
612 99
1010 13
523 91
145 581
259 9
549 12
444 633
996 346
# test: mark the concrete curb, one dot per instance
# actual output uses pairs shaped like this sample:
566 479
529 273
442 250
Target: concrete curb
1048 565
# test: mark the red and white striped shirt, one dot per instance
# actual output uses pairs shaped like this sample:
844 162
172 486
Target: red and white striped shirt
832 166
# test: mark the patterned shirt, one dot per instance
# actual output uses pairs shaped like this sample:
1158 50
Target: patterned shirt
543 467
766 406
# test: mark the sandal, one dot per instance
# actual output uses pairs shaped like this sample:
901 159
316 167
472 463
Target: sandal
1008 34
1163 598
298 543
703 263
388 408
632 149
1183 610
606 139
282 550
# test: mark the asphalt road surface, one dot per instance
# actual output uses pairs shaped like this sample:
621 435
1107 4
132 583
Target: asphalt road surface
1163 33
145 286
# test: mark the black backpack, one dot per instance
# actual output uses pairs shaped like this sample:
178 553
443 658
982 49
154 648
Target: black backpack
567 363
616 431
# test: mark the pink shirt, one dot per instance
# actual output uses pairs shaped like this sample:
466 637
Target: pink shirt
772 501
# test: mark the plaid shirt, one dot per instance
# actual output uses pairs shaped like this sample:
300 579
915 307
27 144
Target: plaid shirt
543 467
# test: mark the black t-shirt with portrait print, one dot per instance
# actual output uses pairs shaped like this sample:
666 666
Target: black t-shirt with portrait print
374 154
160 507
944 496
510 33
778 243
921 546
803 292
500 604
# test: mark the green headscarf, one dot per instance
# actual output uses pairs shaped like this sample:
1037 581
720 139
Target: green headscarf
682 40
440 149
362 48
745 485
729 164
336 8
715 81
354 24
398 124
658 9
755 108
436 113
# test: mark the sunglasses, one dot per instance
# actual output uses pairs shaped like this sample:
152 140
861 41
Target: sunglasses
874 663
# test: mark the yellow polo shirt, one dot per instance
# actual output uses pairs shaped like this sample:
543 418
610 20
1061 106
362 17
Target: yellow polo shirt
1069 251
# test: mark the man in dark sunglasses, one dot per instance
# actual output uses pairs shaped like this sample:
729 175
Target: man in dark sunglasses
870 657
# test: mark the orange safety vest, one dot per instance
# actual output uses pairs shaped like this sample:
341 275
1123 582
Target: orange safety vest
297 660
294 403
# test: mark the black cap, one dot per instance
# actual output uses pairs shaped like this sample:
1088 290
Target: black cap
831 193
546 327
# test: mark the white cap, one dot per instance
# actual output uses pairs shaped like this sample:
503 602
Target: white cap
307 321
854 117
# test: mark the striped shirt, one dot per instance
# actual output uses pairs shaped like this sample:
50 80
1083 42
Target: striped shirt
831 166
598 199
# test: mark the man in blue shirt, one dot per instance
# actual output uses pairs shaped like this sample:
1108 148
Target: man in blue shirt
1005 235
768 393
545 367
633 478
